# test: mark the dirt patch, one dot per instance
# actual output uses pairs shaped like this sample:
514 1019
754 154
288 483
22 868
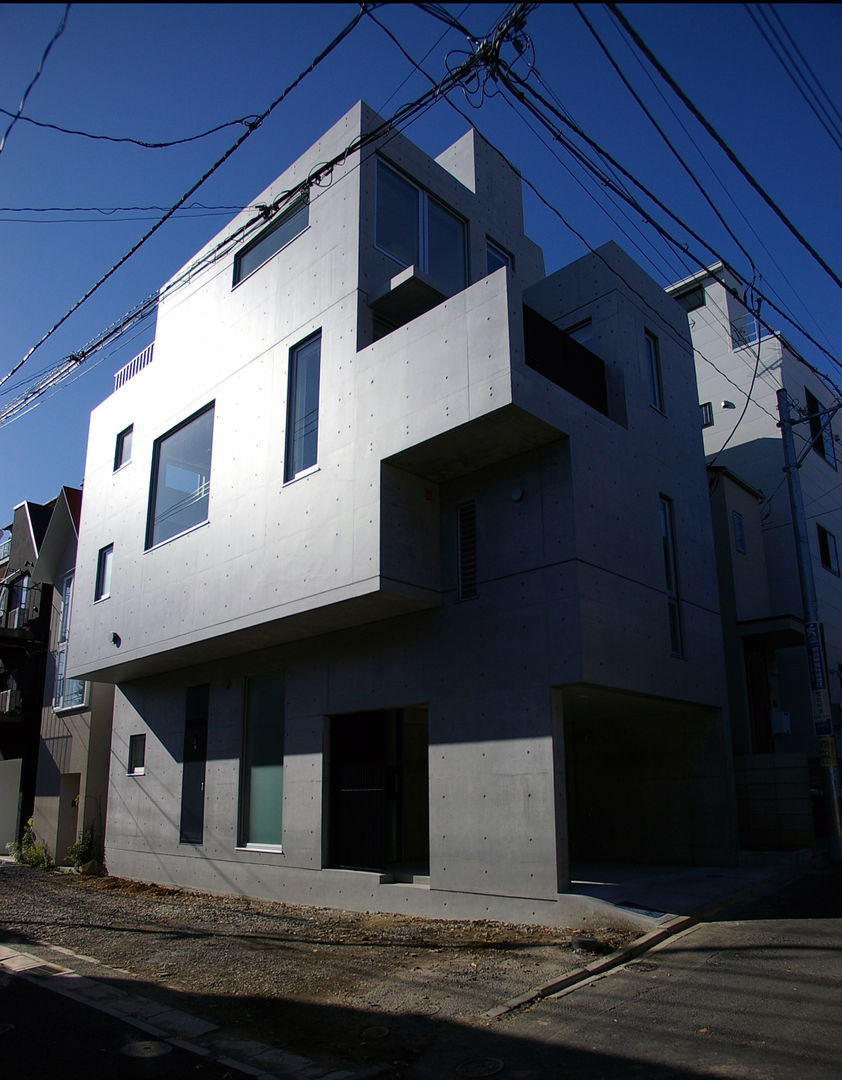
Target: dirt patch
329 984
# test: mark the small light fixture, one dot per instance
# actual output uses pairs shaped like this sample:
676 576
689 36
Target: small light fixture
728 405
116 640
517 494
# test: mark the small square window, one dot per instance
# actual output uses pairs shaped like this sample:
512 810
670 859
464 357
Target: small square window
103 573
137 755
827 550
123 448
495 257
707 414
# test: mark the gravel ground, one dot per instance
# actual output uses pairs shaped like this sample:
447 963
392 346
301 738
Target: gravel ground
332 985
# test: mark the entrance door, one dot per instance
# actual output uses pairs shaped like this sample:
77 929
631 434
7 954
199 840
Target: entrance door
378 790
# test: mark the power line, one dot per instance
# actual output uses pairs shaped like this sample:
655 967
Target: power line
17 116
242 121
252 127
720 142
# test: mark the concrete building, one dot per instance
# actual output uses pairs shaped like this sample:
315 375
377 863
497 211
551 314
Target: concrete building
398 555
72 779
776 757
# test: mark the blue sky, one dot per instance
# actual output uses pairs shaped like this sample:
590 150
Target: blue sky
165 71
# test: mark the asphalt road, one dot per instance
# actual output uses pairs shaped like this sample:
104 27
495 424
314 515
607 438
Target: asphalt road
755 994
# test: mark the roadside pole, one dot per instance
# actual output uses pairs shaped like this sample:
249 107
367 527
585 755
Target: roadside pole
819 696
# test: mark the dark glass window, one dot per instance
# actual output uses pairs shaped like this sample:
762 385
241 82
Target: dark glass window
105 560
137 754
284 229
123 447
302 435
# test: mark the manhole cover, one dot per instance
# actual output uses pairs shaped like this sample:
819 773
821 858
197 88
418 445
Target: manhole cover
479 1067
146 1050
377 1031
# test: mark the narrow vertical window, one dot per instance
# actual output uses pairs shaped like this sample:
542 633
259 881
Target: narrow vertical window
739 532
653 367
193 765
820 430
262 773
671 576
179 493
103 573
123 448
707 414
137 755
302 435
828 551
66 601
466 539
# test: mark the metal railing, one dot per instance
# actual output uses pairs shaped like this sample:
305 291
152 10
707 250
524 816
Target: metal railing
134 366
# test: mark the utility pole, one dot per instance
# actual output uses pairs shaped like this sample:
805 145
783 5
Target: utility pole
819 696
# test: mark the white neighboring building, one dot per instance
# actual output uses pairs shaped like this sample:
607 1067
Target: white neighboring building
409 597
769 684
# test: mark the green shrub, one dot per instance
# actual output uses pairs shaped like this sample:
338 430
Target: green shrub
84 849
29 851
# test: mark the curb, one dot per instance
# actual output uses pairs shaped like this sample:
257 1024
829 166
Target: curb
173 1026
676 925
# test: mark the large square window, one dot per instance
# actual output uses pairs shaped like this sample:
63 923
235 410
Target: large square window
180 488
302 436
417 230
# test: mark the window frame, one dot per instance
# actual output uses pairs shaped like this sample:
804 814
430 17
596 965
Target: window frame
152 516
136 762
738 525
422 226
121 458
291 441
670 552
828 550
104 570
821 433
255 724
503 257
302 203
708 418
654 371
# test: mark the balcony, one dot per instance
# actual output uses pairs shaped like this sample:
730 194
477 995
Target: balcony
142 360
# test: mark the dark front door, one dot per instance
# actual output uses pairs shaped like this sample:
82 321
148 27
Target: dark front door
359 790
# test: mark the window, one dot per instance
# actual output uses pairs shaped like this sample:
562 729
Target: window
66 601
194 761
707 414
417 230
466 540
739 532
291 223
653 367
123 448
495 257
671 576
302 435
827 550
17 601
692 299
180 489
745 329
137 755
820 430
103 573
262 773
69 693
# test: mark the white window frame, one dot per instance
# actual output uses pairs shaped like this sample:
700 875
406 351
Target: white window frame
104 569
136 763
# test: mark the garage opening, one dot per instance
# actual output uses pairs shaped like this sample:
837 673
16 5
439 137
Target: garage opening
378 792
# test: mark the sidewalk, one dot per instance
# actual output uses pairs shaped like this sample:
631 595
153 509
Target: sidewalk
660 901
